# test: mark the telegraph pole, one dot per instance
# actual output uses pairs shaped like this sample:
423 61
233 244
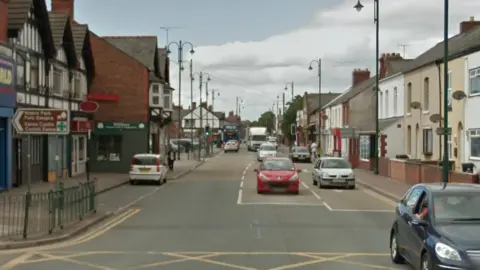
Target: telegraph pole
201 115
207 147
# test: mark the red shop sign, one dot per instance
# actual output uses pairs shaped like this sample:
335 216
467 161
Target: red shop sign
81 126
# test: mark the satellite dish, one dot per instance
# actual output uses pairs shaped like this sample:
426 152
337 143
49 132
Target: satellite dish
435 118
459 95
325 117
439 130
415 105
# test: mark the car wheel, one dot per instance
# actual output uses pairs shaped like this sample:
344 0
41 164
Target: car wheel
159 182
351 187
395 251
314 182
320 186
259 192
296 192
132 182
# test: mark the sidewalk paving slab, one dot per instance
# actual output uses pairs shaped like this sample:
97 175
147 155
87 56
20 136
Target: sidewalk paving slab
385 186
182 168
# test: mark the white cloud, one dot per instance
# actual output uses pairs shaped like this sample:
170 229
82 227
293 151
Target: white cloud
344 39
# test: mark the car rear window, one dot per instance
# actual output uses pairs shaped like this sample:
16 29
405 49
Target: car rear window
145 161
268 148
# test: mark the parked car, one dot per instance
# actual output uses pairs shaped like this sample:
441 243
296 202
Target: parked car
437 228
148 167
277 174
300 153
333 172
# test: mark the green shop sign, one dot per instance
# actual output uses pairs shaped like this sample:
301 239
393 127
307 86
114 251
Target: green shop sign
119 125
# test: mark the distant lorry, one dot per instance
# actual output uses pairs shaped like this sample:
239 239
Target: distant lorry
256 136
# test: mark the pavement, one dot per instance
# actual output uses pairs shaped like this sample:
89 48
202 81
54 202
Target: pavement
213 219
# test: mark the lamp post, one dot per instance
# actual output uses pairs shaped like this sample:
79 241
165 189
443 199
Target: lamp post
190 69
319 74
201 82
376 19
214 93
180 44
292 87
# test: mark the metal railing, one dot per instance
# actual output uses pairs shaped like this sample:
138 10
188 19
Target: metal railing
30 215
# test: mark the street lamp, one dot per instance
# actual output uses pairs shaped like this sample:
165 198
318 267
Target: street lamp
319 74
359 7
201 75
292 87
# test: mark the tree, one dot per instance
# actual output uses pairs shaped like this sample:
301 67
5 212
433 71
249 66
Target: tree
290 116
267 119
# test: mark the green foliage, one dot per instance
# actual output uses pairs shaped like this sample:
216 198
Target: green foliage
267 119
290 116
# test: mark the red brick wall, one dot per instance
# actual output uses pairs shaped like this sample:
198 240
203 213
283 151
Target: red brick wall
118 73
384 167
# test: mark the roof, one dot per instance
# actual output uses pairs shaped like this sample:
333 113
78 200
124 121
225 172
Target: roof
326 98
455 187
458 45
385 123
58 22
79 32
142 48
183 113
352 92
219 115
162 61
18 14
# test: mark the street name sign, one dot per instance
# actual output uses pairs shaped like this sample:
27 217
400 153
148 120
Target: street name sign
28 121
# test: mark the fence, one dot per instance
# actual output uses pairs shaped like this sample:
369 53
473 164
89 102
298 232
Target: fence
37 214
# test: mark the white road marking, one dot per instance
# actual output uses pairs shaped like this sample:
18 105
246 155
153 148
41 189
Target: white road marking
311 190
338 190
282 203
327 206
240 194
305 170
380 197
362 210
241 184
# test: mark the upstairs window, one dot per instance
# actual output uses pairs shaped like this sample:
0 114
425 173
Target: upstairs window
395 102
167 99
474 81
409 97
426 94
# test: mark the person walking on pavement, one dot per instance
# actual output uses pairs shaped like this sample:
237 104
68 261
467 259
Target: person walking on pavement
170 157
313 150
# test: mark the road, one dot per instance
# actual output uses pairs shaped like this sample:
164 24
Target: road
214 219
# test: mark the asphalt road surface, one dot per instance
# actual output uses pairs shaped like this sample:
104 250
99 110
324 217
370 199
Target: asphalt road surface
214 219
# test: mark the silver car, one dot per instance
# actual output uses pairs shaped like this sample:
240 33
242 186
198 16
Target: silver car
300 153
266 150
333 172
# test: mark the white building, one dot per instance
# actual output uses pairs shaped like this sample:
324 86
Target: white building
390 113
334 119
471 147
197 119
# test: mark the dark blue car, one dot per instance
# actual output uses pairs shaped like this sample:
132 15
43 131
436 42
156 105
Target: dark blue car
438 228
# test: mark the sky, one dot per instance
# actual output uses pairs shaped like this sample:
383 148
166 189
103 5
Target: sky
252 49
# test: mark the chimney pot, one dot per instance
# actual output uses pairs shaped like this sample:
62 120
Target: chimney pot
64 6
194 105
359 76
467 25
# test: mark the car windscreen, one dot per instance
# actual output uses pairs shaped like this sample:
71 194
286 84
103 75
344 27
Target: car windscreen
456 206
268 148
259 138
335 164
301 150
277 165
144 161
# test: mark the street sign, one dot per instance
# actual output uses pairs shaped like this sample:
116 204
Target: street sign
88 106
28 121
349 132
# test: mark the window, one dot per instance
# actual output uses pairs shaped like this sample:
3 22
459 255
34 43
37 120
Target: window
155 100
364 147
413 198
380 111
57 81
109 148
35 149
155 96
474 142
450 147
34 73
386 104
450 90
335 164
155 89
20 62
426 94
409 97
82 153
395 101
409 140
427 141
77 87
167 104
475 81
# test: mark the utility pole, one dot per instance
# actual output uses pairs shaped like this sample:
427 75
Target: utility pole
207 143
292 88
202 133
192 126
236 106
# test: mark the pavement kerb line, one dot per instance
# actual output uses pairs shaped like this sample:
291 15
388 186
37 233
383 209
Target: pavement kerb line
378 190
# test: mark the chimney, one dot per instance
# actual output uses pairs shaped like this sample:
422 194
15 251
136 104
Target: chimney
467 25
4 21
64 6
384 60
359 76
194 105
230 113
204 104
210 108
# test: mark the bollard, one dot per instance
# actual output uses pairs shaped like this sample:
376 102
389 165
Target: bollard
51 211
28 197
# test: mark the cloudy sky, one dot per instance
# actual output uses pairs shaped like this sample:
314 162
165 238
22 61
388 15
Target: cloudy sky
252 48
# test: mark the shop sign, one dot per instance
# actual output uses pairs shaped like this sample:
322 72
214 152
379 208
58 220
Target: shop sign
81 126
120 125
30 121
8 97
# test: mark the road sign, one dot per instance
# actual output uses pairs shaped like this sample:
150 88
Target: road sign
89 106
28 121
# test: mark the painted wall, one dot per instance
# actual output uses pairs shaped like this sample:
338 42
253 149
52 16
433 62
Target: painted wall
472 108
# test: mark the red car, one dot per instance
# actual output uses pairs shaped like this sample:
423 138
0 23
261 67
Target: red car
277 174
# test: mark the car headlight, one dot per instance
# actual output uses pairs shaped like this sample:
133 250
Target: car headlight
294 177
446 252
351 175
263 177
325 175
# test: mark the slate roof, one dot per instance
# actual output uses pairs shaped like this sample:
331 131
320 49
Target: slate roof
58 22
183 113
142 48
352 92
313 100
220 115
162 62
18 14
458 45
79 32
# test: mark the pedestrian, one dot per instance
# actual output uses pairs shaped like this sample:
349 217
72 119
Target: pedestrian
313 150
170 158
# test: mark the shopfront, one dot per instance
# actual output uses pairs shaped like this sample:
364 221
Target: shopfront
8 100
113 145
78 148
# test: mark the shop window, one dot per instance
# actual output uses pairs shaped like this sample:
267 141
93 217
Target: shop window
109 148
364 147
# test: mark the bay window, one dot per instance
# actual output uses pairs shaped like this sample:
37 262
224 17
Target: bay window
167 99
